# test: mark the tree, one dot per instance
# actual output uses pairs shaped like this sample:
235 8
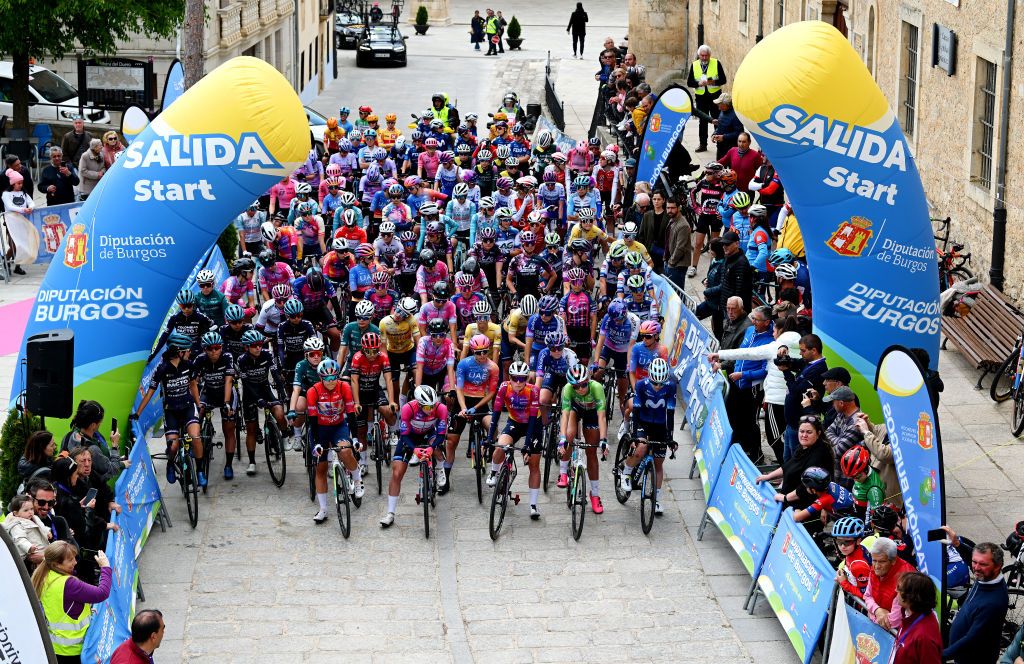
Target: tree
51 30
192 41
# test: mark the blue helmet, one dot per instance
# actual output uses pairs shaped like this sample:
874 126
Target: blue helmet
780 256
848 527
234 312
252 337
186 297
178 341
293 307
548 304
617 309
328 370
211 338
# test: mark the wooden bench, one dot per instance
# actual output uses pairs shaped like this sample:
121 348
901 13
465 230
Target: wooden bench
988 334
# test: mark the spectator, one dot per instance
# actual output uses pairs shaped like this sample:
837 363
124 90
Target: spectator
13 162
706 77
843 433
91 168
578 26
641 205
736 324
1015 651
105 503
44 498
975 633
711 306
76 142
766 182
59 179
16 199
876 439
802 374
476 29
27 531
653 227
727 127
38 456
744 397
113 147
811 451
67 601
743 160
919 640
85 432
604 75
886 569
832 379
491 30
87 527
737 275
502 24
673 256
147 633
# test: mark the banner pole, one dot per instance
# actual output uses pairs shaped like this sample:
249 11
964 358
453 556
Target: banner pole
703 524
751 596
831 624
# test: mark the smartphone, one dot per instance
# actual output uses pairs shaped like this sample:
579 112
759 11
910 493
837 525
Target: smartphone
89 497
113 425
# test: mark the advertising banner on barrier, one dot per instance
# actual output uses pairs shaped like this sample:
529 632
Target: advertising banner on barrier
157 210
913 428
798 582
746 512
712 435
851 178
23 633
38 234
562 141
855 639
664 128
138 493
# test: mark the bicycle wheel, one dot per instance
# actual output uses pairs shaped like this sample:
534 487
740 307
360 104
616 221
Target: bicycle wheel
190 488
958 274
647 492
425 497
621 453
1001 388
478 465
550 451
579 504
499 502
377 445
570 485
273 446
307 458
341 501
1018 411
1015 611
611 385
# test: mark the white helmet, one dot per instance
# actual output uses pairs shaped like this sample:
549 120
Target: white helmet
268 231
460 190
303 188
205 277
408 306
658 370
425 395
519 369
387 228
528 305
364 308
786 271
339 244
313 344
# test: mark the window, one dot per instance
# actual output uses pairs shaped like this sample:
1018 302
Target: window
743 11
870 46
908 79
302 70
984 123
316 50
780 13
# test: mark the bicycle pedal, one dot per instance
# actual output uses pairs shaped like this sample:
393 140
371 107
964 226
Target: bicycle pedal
418 499
515 499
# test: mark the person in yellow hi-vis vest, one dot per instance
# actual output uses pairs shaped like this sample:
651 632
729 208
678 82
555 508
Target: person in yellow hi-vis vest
706 77
67 601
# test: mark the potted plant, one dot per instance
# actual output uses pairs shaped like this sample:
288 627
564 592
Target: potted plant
514 38
421 24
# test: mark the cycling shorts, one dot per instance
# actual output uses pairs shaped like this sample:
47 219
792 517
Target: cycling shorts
586 417
708 223
657 436
435 380
555 383
457 423
251 396
401 361
580 339
177 420
215 399
331 436
406 444
369 401
516 430
508 349
616 358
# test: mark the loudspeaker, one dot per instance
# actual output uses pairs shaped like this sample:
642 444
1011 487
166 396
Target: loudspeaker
50 373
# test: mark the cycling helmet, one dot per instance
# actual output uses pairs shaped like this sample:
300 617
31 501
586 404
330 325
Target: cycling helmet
186 298
527 181
252 337
370 341
355 135
281 291
781 255
373 175
430 142
714 167
178 341
579 245
396 190
469 176
586 214
503 214
390 117
461 190
435 228
315 279
479 342
740 200
440 291
728 177
527 237
348 199
388 228
528 305
549 176
303 209
407 237
339 244
536 217
364 250
504 183
885 518
416 135
594 141
333 170
370 133
348 217
518 129
617 252
519 370
658 370
436 125
407 306
610 156
267 257
428 210
365 109
816 478
345 145
559 158
503 152
293 307
848 527
425 396
463 280
470 266
437 327
855 461
630 229
463 148
757 210
243 264
328 370
581 181
786 271
484 155
303 189
364 309
381 279
481 308
552 239
556 339
650 326
233 313
205 277
578 374
313 344
634 260
211 338
543 139
471 117
427 258
487 233
268 231
548 304
446 157
344 110
380 153
575 274
617 309
636 283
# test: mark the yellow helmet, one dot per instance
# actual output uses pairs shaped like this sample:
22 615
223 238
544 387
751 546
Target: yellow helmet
372 117
332 123
390 117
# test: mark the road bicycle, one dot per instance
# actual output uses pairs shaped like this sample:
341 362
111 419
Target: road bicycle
480 453
308 460
552 432
576 489
503 491
426 494
951 257
185 468
206 433
343 490
643 477
273 444
379 444
610 381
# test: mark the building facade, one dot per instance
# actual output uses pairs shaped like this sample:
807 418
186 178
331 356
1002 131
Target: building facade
938 62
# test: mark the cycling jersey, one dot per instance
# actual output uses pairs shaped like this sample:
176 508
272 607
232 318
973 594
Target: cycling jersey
270 318
618 334
353 235
706 197
383 300
212 377
430 311
293 214
305 376
399 336
493 332
173 382
212 305
578 309
428 162
486 177
360 279
330 407
507 240
579 160
272 275
645 308
390 253
310 298
610 271
194 327
538 329
415 421
641 357
462 214
290 341
352 336
336 266
435 357
519 149
330 203
515 324
310 230
347 162
594 235
606 179
233 339
502 198
834 499
400 214
555 257
255 370
558 366
655 404
521 405
638 247
476 379
645 272
591 400
592 200
480 222
527 271
425 280
447 178
551 194
464 308
487 258
870 493
370 370
339 223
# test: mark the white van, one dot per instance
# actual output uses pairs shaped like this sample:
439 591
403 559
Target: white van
51 98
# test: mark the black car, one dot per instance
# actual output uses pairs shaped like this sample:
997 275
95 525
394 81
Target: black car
381 43
347 27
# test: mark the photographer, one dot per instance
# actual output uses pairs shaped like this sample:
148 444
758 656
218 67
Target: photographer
85 424
802 374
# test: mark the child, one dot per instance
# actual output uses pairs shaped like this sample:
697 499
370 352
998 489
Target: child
829 497
28 532
868 486
853 570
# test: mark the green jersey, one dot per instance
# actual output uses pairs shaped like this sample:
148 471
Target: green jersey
592 399
213 305
352 336
305 376
871 492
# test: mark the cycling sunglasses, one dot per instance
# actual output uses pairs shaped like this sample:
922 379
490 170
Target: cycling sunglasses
482 352
647 336
438 335
487 241
362 318
519 379
214 347
207 285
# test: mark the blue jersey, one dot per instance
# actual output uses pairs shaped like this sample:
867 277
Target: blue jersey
654 404
379 200
518 149
549 364
310 298
360 279
507 240
474 378
618 334
447 178
537 329
834 499
641 356
645 309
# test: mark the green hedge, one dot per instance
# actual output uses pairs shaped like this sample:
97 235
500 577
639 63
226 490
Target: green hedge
12 446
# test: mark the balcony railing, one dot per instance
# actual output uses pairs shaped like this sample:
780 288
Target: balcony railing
250 17
268 11
230 24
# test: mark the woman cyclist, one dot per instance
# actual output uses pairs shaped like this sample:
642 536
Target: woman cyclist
583 405
435 356
653 416
400 334
553 364
476 381
214 374
519 399
304 378
255 369
272 272
513 330
369 365
331 416
579 311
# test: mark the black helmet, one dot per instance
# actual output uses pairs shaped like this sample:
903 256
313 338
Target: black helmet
885 518
816 478
427 258
315 279
470 266
437 326
267 257
440 290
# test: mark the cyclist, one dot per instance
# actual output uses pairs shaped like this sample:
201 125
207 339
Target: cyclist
614 263
255 368
400 334
291 337
616 336
855 567
476 382
704 200
439 308
388 249
360 277
583 198
305 377
503 194
238 288
539 326
349 230
579 256
448 173
430 272
653 417
486 173
587 230
211 301
369 365
233 331
606 179
638 299
513 330
248 225
381 295
349 203
186 321
352 335
630 230
583 405
465 301
409 264
869 490
485 218
174 377
644 353
302 194
337 264
507 235
580 161
281 238
733 211
428 160
829 497
579 311
526 270
554 253
424 423
478 280
483 326
214 374
311 229
558 162
435 355
462 211
635 265
272 314
331 415
553 364
519 398
272 272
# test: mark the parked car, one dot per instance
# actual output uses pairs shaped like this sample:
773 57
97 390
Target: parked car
381 43
347 27
51 98
317 125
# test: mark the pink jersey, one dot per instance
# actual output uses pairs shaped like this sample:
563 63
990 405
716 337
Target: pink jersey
429 312
284 193
433 356
521 405
417 422
237 292
426 280
279 273
579 160
429 164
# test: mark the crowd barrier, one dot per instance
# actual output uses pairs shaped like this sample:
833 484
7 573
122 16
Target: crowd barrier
784 563
38 234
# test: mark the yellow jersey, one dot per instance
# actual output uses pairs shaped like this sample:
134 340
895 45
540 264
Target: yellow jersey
399 336
594 235
387 137
515 324
638 247
493 333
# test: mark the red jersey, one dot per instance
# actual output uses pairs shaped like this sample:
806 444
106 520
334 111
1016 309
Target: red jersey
605 178
370 370
354 236
329 407
521 405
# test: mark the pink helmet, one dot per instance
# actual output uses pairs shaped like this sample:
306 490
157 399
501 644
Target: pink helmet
333 171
